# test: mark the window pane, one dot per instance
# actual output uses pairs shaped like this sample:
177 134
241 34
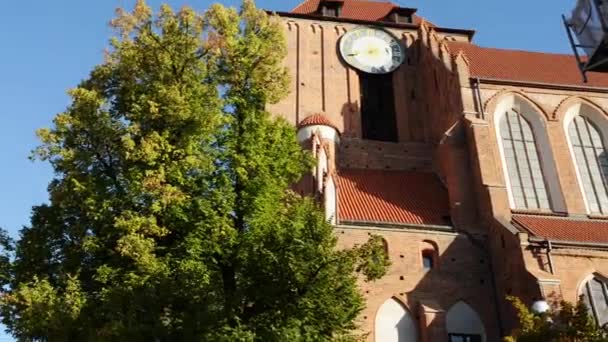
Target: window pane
523 163
597 300
427 260
591 160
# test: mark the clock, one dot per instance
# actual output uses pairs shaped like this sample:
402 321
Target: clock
372 50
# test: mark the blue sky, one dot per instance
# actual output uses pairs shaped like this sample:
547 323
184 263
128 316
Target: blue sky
49 46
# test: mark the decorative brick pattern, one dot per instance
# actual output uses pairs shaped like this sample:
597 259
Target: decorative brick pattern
379 155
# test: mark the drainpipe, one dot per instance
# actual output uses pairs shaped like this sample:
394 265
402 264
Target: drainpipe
477 94
549 257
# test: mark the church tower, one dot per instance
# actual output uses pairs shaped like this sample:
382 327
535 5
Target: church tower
362 73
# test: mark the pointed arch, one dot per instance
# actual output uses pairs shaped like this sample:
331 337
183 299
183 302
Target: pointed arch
500 96
584 280
394 323
528 165
595 295
429 255
431 245
463 321
586 129
567 103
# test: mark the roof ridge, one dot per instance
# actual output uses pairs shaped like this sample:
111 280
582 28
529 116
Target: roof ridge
573 229
509 49
300 4
347 169
543 213
558 216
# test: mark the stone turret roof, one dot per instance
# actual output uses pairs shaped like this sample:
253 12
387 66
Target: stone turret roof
315 120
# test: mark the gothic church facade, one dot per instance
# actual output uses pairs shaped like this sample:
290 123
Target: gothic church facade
484 170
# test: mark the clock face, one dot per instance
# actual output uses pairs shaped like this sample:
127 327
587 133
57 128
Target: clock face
372 50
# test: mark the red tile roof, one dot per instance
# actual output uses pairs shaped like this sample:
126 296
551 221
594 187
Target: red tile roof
525 66
564 229
355 9
316 119
402 197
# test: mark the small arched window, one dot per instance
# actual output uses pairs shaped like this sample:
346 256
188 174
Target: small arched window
591 161
430 255
428 259
595 295
526 178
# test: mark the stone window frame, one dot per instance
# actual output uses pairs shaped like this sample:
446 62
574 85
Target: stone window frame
538 124
428 254
590 301
429 249
597 120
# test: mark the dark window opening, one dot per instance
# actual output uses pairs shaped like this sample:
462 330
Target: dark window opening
464 338
428 259
378 120
400 16
331 9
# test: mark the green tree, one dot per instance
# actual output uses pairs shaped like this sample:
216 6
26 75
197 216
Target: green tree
171 215
568 323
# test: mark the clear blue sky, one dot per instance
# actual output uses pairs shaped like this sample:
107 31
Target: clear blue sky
49 46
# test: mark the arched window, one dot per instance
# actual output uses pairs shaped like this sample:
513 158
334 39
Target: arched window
464 325
591 161
394 323
428 259
429 255
595 295
525 173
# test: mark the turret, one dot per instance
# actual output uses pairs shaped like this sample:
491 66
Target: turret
321 136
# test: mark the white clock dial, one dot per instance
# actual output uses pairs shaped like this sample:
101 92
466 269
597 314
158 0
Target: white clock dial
372 50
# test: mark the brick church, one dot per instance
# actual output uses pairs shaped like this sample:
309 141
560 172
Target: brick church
485 170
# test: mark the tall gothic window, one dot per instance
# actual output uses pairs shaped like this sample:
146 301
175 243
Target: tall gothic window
524 169
591 161
595 295
378 120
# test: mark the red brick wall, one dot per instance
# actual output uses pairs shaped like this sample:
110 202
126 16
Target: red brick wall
461 273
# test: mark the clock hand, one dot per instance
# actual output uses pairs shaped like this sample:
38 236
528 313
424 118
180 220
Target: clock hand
353 53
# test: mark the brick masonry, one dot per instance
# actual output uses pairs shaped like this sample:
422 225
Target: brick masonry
443 128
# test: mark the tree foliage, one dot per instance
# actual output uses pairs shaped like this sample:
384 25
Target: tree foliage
170 214
568 323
